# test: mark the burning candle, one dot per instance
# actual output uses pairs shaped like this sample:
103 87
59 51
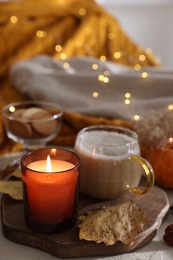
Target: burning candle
50 178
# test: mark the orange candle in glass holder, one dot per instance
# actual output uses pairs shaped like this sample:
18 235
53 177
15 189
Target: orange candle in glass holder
50 188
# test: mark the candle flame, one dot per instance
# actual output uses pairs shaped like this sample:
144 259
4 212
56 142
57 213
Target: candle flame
48 164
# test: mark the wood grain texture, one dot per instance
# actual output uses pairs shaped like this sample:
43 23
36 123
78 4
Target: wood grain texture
155 204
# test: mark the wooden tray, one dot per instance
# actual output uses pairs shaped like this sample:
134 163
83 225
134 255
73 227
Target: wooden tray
155 204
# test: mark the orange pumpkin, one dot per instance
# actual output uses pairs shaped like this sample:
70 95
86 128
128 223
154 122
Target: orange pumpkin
162 162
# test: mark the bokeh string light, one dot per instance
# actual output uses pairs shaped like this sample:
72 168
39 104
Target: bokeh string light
118 52
91 31
103 78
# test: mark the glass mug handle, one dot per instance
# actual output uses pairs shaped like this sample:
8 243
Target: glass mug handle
149 175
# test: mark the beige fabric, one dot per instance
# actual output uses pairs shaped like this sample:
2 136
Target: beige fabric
44 78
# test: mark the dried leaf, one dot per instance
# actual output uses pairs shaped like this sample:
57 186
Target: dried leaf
122 222
12 188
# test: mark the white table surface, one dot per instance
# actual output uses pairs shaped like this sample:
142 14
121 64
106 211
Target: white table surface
157 249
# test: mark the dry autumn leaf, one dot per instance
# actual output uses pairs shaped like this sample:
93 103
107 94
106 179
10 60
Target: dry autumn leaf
122 222
12 188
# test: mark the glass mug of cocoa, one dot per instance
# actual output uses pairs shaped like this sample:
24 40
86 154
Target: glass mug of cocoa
111 163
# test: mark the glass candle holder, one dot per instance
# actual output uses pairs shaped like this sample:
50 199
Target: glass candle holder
50 189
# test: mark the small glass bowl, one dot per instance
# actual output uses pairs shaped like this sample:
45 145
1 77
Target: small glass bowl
32 123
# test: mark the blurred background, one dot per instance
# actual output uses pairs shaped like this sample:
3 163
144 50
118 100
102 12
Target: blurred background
148 22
